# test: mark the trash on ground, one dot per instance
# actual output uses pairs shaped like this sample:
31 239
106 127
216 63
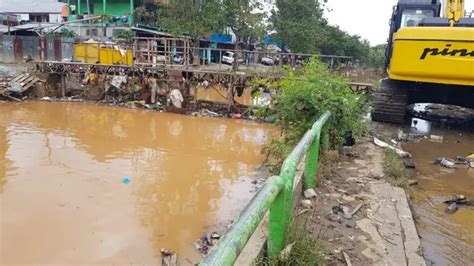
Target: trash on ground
460 200
126 180
401 153
285 253
462 159
412 182
350 215
206 242
337 209
349 139
470 157
310 193
452 208
445 162
307 204
436 138
168 258
409 164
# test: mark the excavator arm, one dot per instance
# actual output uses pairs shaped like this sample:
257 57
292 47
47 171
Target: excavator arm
454 10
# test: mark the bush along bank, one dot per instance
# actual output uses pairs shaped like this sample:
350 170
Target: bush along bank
302 97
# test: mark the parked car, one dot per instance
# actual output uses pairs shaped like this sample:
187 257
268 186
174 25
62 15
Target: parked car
178 58
267 60
229 57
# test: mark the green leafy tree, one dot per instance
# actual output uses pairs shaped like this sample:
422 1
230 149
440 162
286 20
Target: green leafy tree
246 24
303 96
298 23
194 18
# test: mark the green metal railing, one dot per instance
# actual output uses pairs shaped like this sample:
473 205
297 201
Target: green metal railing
276 195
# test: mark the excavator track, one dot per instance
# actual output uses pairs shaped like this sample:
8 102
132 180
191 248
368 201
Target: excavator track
390 102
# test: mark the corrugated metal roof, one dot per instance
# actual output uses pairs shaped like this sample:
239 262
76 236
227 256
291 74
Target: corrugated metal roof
31 6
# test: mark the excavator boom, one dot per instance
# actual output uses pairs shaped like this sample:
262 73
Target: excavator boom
454 10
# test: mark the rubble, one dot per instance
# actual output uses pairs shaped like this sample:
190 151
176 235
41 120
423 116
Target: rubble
168 258
206 242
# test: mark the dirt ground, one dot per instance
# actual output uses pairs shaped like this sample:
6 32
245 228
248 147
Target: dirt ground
377 232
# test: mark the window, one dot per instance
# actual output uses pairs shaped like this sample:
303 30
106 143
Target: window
413 17
95 32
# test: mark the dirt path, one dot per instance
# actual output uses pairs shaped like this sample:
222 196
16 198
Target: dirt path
382 232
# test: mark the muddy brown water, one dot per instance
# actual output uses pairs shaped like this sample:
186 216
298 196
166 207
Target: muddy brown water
61 192
447 239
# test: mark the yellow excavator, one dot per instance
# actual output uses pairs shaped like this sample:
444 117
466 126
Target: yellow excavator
430 58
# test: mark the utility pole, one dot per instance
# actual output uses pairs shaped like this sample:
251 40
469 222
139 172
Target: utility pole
89 14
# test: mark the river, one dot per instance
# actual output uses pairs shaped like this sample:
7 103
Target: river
63 192
447 239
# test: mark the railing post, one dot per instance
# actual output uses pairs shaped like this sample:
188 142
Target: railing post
280 211
311 167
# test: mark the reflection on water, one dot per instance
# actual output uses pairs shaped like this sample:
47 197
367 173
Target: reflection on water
219 94
447 239
62 197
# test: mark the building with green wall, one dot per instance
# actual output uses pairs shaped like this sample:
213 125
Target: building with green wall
112 8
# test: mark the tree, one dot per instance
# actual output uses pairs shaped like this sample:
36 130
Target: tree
298 23
194 18
246 24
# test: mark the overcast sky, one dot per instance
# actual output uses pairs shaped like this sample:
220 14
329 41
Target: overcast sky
367 18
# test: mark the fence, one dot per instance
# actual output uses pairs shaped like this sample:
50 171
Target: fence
276 195
152 52
15 48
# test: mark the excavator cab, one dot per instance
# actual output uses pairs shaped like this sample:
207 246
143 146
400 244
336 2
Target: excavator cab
429 58
410 13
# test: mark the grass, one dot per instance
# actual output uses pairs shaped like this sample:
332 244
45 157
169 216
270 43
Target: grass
306 249
394 169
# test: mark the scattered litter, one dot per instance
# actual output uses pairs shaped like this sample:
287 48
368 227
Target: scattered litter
452 208
471 156
310 193
409 164
346 258
462 159
412 182
349 139
337 209
168 258
460 200
285 253
236 116
350 215
436 138
46 99
445 162
471 164
307 204
401 153
206 242
126 180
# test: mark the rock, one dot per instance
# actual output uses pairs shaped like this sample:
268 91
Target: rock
452 208
409 164
168 258
309 193
348 198
307 204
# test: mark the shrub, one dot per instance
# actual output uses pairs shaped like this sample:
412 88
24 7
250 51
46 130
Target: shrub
303 96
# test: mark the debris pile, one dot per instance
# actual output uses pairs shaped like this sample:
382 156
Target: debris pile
206 242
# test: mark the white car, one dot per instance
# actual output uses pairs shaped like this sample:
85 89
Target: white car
267 61
229 57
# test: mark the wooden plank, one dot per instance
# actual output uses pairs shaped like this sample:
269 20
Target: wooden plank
27 80
31 83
